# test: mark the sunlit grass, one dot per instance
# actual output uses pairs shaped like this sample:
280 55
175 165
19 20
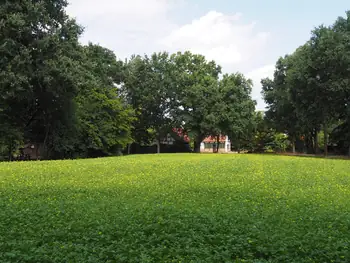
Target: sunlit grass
176 208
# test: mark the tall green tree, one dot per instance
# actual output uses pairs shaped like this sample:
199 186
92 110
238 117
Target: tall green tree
341 74
135 78
302 96
104 120
38 68
322 98
236 114
281 111
158 95
149 85
196 94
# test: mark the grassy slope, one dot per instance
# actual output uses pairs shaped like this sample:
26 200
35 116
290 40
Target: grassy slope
176 208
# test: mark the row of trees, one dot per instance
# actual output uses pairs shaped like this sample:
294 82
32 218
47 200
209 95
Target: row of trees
54 91
309 95
184 91
81 101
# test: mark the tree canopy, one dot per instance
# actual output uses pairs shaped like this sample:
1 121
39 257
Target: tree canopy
70 100
73 100
310 89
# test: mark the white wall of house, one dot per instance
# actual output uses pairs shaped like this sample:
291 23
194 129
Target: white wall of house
227 144
226 149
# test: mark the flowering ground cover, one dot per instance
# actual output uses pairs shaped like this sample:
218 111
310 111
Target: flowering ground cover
176 208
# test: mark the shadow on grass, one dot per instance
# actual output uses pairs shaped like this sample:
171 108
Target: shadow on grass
339 157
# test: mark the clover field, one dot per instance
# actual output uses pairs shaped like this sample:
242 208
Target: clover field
176 208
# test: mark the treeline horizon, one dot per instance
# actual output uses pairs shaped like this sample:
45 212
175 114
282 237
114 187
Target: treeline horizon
81 101
309 94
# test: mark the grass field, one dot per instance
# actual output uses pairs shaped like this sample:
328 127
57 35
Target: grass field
176 208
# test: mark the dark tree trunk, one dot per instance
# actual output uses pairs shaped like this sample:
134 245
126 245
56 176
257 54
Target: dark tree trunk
293 144
349 151
10 151
197 143
37 151
45 149
317 150
46 154
197 147
158 138
309 144
129 148
158 145
325 131
217 143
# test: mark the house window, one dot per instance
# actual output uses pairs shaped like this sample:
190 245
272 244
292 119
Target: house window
211 145
208 146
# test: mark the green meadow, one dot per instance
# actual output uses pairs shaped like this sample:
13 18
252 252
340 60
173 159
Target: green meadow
176 208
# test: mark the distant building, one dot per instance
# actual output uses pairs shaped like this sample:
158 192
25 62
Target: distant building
176 135
209 144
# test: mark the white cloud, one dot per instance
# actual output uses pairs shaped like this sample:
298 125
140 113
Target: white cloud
233 45
256 76
118 8
140 26
220 37
127 27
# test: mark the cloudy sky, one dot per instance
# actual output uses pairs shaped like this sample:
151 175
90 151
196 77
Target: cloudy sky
245 35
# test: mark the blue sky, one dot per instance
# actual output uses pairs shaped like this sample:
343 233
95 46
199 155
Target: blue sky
246 36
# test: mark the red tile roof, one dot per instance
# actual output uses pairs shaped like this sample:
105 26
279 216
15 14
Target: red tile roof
212 139
181 134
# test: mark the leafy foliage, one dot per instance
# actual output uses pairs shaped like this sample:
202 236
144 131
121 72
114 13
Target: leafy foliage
183 90
104 120
196 95
39 46
53 90
237 109
310 89
149 86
